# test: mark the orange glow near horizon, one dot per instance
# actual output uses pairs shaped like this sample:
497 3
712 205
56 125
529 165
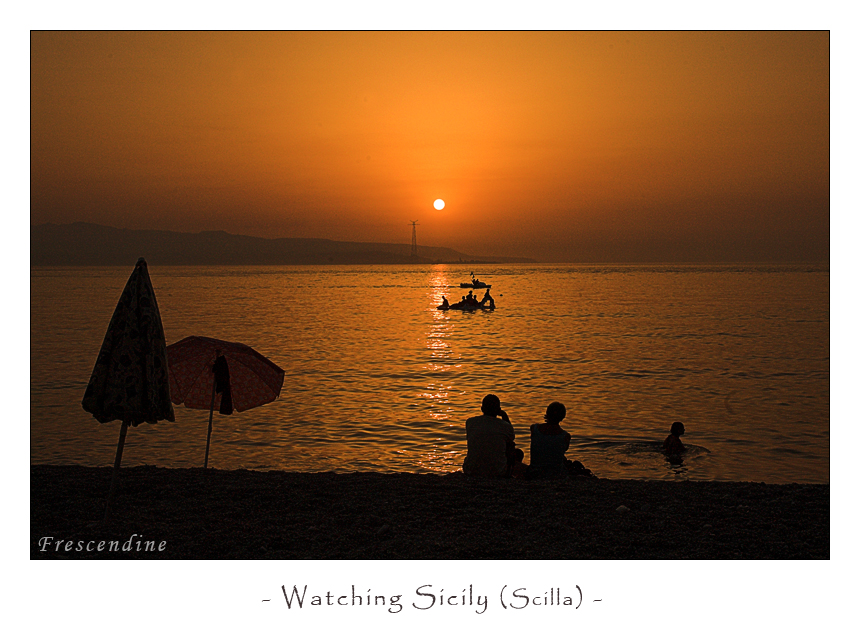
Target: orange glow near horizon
555 145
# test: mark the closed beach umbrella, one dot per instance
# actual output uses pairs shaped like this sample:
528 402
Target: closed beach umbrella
206 372
130 382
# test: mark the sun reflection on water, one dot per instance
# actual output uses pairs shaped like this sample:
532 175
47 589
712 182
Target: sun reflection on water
442 366
381 380
439 460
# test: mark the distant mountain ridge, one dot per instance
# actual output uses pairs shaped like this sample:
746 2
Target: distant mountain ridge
89 244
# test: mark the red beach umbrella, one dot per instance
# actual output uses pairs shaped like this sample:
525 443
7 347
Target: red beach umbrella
130 380
205 372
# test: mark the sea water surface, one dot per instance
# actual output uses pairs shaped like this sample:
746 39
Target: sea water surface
377 379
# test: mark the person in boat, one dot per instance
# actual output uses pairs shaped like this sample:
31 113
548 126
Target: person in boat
488 298
490 444
549 443
444 303
672 444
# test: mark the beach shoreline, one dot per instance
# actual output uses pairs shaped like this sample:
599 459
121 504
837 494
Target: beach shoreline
166 513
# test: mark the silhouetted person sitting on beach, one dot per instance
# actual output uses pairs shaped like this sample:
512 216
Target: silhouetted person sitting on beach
489 441
549 443
672 444
518 468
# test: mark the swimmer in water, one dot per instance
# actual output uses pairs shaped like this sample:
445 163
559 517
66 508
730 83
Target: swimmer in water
672 444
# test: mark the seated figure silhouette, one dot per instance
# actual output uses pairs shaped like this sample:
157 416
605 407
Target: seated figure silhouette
489 441
549 443
519 470
488 298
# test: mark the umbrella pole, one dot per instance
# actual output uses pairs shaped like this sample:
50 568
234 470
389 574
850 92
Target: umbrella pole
209 434
116 465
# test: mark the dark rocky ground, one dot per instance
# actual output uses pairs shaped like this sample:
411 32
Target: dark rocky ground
281 515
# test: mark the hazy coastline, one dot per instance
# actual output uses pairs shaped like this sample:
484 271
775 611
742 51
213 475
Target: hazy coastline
88 244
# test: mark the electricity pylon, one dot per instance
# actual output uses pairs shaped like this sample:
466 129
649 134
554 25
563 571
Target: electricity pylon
414 241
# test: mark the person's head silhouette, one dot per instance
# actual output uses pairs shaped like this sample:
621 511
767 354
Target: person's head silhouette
491 405
555 413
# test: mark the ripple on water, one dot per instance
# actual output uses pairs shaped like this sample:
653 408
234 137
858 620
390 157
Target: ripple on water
740 354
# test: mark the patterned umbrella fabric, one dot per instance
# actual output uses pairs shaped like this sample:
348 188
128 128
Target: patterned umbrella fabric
254 380
206 372
130 381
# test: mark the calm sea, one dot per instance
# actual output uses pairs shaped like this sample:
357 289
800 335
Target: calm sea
378 380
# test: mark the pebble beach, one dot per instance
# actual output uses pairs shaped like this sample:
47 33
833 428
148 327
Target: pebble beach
165 513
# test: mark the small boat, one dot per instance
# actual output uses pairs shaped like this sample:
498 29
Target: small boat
476 284
463 307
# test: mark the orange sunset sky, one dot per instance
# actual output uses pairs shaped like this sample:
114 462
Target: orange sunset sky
560 146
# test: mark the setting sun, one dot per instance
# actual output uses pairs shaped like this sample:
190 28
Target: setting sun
574 146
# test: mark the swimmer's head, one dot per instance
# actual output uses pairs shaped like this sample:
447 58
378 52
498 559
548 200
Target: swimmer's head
677 428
